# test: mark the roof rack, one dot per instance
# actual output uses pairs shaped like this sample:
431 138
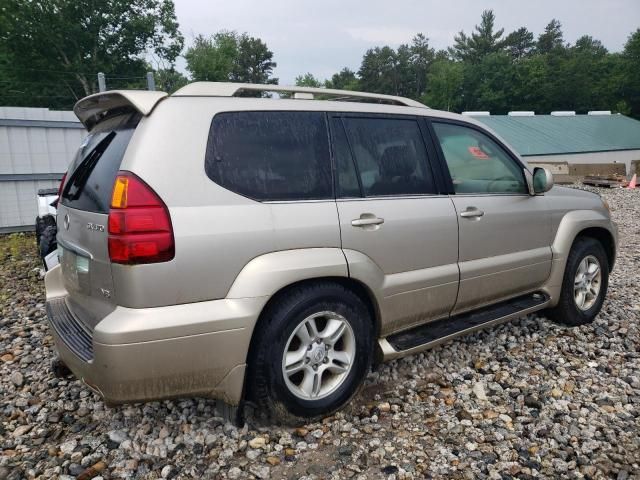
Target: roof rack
227 89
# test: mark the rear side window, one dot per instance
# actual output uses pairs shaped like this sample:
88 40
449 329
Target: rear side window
271 155
92 172
390 157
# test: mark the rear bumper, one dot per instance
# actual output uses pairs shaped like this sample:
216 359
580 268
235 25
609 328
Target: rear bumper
131 355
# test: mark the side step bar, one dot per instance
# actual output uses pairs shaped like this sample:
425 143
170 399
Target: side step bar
433 333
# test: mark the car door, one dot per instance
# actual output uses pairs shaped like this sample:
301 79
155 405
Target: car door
504 232
398 233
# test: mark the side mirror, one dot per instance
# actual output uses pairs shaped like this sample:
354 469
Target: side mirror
542 180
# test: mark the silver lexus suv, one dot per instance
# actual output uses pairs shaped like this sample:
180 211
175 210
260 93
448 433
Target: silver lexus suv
220 243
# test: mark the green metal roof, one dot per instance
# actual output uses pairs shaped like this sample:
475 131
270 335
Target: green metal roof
552 135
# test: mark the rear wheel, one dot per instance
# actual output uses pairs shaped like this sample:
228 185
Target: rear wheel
312 354
585 283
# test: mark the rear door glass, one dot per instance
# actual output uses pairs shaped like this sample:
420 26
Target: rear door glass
271 155
390 157
91 174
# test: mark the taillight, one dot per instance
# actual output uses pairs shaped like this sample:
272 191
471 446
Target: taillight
64 177
140 228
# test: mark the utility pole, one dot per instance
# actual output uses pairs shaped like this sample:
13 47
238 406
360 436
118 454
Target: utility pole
151 82
102 84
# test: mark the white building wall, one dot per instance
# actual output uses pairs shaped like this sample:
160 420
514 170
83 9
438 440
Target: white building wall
36 146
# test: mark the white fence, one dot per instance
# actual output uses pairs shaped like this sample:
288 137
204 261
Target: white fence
36 146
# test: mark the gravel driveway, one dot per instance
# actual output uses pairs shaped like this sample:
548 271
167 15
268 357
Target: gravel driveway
526 399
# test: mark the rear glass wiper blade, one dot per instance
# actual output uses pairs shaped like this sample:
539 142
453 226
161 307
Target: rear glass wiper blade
81 174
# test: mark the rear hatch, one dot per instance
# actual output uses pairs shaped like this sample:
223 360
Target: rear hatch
83 214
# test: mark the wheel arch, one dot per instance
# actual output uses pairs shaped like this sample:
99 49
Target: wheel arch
275 274
575 224
605 238
357 287
590 223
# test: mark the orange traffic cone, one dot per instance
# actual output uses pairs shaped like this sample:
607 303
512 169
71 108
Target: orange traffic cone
632 183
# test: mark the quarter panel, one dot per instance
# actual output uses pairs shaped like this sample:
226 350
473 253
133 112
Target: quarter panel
217 232
266 274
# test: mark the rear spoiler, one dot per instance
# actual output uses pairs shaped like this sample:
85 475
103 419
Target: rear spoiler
90 110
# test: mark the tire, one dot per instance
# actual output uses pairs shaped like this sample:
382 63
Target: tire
567 311
298 397
41 224
48 242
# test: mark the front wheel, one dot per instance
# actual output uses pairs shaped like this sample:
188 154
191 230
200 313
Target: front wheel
312 354
585 283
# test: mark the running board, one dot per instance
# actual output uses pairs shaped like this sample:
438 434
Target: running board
429 334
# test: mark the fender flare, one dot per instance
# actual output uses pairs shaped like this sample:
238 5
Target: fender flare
267 274
575 222
569 228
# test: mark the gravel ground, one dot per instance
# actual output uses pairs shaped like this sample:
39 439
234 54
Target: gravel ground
523 400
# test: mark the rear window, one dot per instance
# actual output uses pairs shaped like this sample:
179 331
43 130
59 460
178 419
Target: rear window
271 155
92 172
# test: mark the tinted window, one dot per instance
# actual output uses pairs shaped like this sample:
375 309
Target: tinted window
476 163
91 175
390 156
348 185
271 155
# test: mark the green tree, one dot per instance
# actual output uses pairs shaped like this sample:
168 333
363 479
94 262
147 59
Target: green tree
212 58
254 63
445 85
397 72
489 84
484 41
230 57
51 50
378 71
345 79
627 78
486 70
520 43
308 80
422 57
169 79
552 38
587 74
530 89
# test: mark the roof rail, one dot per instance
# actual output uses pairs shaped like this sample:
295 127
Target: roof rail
227 89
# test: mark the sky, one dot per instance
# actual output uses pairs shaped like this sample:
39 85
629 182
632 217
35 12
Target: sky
321 37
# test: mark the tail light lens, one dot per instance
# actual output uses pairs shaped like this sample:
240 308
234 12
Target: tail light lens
140 228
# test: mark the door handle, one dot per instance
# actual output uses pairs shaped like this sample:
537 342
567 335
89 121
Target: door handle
367 220
472 212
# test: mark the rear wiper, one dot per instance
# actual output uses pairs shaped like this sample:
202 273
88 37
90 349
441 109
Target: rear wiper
81 174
